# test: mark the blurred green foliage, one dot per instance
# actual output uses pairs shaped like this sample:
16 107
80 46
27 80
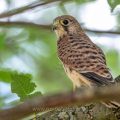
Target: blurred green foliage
113 61
113 3
83 1
42 72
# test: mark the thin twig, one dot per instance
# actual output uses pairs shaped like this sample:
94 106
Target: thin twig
23 24
102 31
60 100
27 7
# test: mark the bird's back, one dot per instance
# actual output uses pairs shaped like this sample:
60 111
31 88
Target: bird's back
79 53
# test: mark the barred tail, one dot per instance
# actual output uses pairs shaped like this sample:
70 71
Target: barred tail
111 104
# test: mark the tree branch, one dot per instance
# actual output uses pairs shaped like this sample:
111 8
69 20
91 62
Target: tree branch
24 24
102 31
48 27
87 112
27 7
60 100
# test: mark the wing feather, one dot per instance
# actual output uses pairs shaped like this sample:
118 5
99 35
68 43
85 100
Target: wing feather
83 56
97 79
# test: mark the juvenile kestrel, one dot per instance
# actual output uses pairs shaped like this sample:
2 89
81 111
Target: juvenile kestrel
83 61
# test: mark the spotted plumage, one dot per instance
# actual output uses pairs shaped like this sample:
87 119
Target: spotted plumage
83 61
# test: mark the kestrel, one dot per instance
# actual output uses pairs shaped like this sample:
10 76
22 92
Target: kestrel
84 62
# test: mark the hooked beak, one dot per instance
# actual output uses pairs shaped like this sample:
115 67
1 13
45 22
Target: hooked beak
54 28
55 25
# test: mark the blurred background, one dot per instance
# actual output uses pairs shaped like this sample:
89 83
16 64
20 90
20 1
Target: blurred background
28 44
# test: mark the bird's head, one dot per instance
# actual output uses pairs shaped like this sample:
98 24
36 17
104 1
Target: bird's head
65 24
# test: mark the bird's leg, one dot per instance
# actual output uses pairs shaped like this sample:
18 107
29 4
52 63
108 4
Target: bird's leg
74 87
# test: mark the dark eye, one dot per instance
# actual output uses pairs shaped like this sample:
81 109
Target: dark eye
65 22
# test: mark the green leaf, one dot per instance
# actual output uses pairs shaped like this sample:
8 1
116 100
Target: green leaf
21 85
25 97
113 3
5 75
35 94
